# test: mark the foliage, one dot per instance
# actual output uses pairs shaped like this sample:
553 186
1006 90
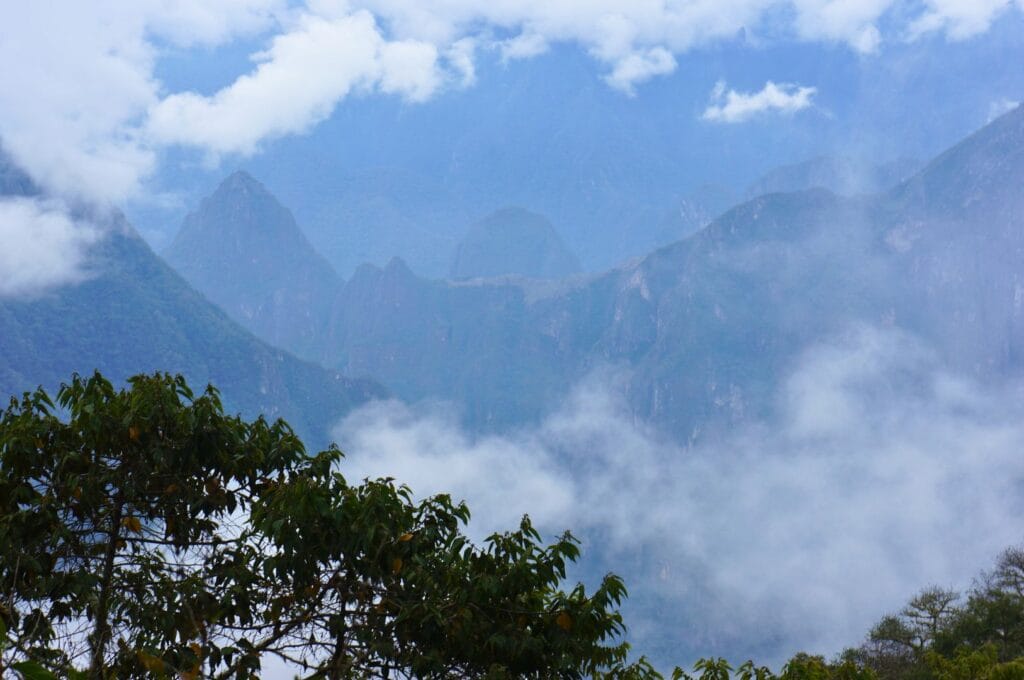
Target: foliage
800 667
942 635
144 533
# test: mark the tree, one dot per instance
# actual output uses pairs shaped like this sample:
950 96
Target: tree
800 667
144 533
937 637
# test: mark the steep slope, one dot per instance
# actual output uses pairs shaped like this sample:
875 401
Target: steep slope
958 230
135 314
712 323
709 325
841 175
243 250
472 343
513 241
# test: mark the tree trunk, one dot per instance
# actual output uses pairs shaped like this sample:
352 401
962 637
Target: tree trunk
101 632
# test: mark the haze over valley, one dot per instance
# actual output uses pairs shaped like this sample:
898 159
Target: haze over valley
734 293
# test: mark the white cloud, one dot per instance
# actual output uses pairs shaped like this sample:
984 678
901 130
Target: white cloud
201 22
958 19
42 246
523 46
82 112
73 80
853 23
297 83
876 479
637 68
730 106
460 58
78 79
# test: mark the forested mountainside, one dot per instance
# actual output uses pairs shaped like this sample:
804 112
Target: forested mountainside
134 314
707 326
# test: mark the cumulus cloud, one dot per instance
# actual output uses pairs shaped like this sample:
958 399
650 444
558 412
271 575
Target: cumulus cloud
523 46
78 78
730 106
853 23
42 246
82 111
875 479
298 81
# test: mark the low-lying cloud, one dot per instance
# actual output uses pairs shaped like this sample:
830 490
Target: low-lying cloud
730 106
881 474
43 247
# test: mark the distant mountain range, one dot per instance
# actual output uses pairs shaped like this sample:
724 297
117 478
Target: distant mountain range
135 314
243 250
513 241
841 175
708 324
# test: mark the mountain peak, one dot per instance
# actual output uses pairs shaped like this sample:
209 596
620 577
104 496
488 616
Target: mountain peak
513 241
979 178
397 268
244 251
241 181
241 208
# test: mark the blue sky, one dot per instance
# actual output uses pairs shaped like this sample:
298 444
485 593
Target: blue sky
147 104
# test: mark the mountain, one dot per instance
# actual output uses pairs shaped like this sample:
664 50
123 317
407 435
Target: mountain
377 213
135 314
243 250
513 241
958 230
841 175
709 325
467 341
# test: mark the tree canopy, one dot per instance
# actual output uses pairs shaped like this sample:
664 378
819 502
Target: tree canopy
145 533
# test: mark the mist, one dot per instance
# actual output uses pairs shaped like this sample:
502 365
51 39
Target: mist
881 473
43 246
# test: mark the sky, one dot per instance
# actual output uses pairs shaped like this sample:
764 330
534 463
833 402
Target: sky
142 105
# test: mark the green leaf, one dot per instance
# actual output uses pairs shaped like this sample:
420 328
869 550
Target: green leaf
30 670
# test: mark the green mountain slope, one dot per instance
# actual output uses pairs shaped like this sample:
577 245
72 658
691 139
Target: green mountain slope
135 314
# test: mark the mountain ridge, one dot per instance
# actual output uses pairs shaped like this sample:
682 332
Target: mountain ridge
246 253
135 314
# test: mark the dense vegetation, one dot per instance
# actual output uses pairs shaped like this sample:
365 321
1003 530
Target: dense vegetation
945 635
145 533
